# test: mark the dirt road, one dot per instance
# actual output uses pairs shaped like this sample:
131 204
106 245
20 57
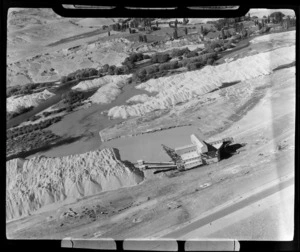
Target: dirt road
234 205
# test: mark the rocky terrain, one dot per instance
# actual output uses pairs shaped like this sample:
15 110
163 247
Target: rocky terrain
40 181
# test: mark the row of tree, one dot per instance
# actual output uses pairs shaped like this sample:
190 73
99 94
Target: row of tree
14 132
79 74
19 111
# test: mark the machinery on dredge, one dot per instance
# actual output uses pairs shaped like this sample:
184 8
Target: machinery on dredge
190 156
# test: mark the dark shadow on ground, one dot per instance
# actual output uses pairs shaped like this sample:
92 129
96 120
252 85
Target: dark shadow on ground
285 66
225 85
44 148
164 170
230 150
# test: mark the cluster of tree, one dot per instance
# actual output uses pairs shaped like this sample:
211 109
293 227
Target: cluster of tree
191 54
80 74
169 66
289 22
56 111
160 57
72 97
179 52
135 22
229 22
218 46
143 38
114 70
192 63
26 89
34 118
14 132
277 17
31 141
120 26
204 31
203 59
135 57
19 111
150 72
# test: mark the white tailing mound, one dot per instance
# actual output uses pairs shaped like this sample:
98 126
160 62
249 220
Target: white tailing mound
138 98
109 87
13 103
186 86
99 82
40 181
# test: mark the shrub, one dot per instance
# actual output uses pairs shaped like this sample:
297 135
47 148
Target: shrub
125 69
118 71
202 58
210 61
134 57
146 56
111 70
152 69
12 91
194 66
168 66
105 68
160 58
139 75
191 54
179 52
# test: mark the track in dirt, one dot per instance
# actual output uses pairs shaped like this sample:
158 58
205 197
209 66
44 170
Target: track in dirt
230 209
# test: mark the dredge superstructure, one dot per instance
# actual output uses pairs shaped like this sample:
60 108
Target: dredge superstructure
190 156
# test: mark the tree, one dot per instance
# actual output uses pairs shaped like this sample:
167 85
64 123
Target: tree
175 35
191 54
118 71
223 34
111 70
259 26
105 68
277 16
63 79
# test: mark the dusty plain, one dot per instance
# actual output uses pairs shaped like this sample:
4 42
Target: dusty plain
256 108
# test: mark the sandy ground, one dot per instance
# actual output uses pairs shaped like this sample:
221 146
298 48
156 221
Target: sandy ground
164 202
275 209
259 113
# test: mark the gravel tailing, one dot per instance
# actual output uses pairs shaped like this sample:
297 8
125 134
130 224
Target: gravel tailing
40 181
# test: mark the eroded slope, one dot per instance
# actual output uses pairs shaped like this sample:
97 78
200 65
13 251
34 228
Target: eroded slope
40 181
